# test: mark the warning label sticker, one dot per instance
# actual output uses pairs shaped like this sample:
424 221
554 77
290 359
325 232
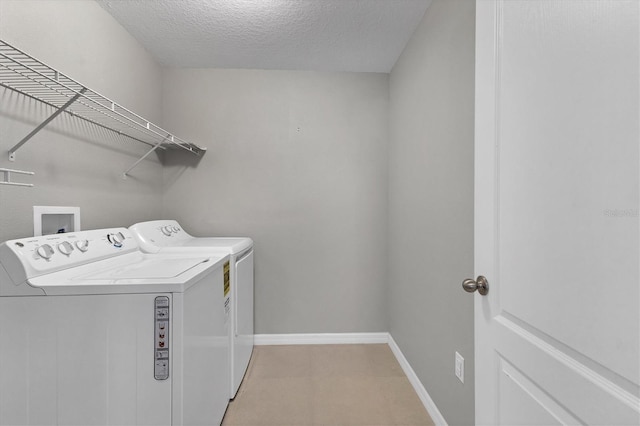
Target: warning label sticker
227 283
227 308
227 288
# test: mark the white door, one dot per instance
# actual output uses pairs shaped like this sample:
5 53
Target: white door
557 212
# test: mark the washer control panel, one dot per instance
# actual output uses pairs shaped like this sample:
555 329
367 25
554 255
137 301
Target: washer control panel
25 258
161 338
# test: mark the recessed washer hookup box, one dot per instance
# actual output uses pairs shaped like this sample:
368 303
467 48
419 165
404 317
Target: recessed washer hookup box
49 220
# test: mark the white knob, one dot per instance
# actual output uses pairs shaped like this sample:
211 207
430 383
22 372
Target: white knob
174 229
45 251
65 248
119 237
82 245
115 239
166 230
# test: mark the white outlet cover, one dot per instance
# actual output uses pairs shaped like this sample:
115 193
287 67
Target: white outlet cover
459 368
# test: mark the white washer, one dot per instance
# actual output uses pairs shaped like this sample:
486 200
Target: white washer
93 331
167 236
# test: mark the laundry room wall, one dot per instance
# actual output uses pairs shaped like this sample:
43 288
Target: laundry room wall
296 161
76 164
431 204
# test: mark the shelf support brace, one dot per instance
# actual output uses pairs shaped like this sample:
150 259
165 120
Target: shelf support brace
156 146
12 151
6 180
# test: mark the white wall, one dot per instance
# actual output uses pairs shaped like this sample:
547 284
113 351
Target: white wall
431 203
74 163
297 161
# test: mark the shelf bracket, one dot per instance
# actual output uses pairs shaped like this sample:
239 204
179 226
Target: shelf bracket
156 146
6 178
12 151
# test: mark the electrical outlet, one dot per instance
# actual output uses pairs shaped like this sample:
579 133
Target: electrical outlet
459 370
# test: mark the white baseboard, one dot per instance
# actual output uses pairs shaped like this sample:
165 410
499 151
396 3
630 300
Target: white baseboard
428 403
320 339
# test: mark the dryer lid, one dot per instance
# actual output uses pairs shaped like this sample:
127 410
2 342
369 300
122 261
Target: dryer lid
167 236
232 245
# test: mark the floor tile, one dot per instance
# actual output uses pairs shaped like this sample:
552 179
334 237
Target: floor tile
384 361
282 361
404 405
349 401
341 361
274 402
329 385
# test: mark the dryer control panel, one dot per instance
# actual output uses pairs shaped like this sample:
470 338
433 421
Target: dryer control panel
156 234
26 258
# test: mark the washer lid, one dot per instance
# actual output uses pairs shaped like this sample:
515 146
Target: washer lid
148 268
131 273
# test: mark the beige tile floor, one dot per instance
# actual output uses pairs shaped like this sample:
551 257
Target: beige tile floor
325 385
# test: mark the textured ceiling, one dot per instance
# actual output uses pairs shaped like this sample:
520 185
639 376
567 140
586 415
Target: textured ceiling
322 35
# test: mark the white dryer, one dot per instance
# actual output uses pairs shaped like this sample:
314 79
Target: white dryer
167 236
93 331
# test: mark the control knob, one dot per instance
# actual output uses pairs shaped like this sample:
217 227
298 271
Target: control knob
166 230
45 251
82 245
116 239
65 248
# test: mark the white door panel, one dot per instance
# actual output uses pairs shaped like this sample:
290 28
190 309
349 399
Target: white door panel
523 402
557 203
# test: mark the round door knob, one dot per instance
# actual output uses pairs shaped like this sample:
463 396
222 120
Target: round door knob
45 251
481 284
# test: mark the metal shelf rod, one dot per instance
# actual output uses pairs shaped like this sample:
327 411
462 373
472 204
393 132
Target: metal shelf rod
126 173
7 177
12 151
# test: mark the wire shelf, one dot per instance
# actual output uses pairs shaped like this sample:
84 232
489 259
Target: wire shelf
26 75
